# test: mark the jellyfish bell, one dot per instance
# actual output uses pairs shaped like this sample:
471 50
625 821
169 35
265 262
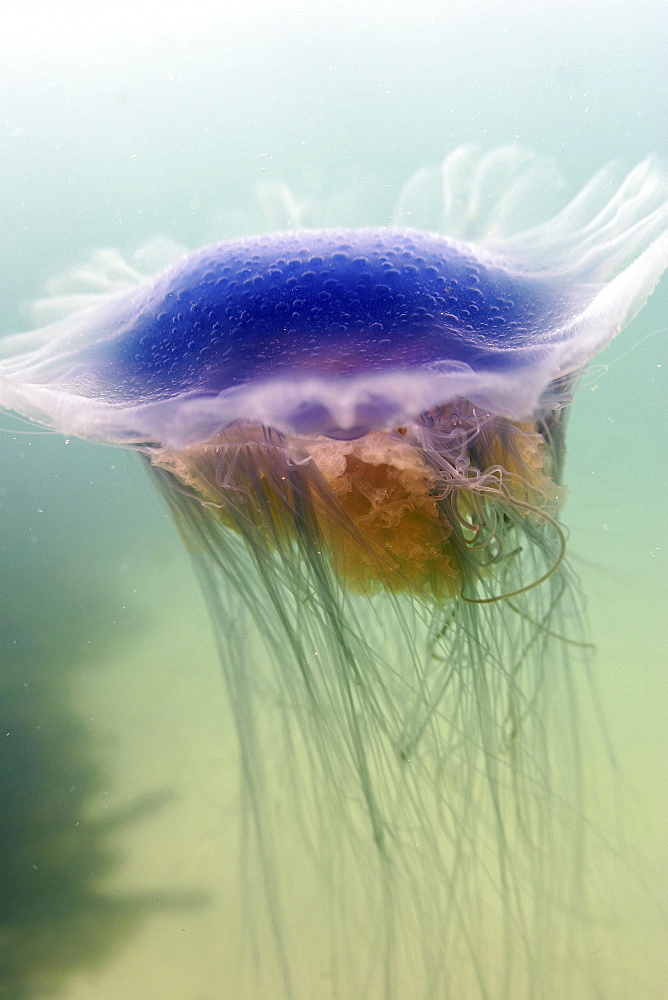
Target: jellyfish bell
360 434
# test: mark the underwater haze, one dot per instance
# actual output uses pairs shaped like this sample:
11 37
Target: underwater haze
132 859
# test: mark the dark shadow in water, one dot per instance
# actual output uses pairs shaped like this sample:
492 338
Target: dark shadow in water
56 914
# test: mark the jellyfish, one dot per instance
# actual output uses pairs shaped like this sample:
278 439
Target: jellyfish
360 434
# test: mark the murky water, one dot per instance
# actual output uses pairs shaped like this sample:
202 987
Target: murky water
125 853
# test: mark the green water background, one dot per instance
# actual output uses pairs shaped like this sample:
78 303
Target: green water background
164 124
